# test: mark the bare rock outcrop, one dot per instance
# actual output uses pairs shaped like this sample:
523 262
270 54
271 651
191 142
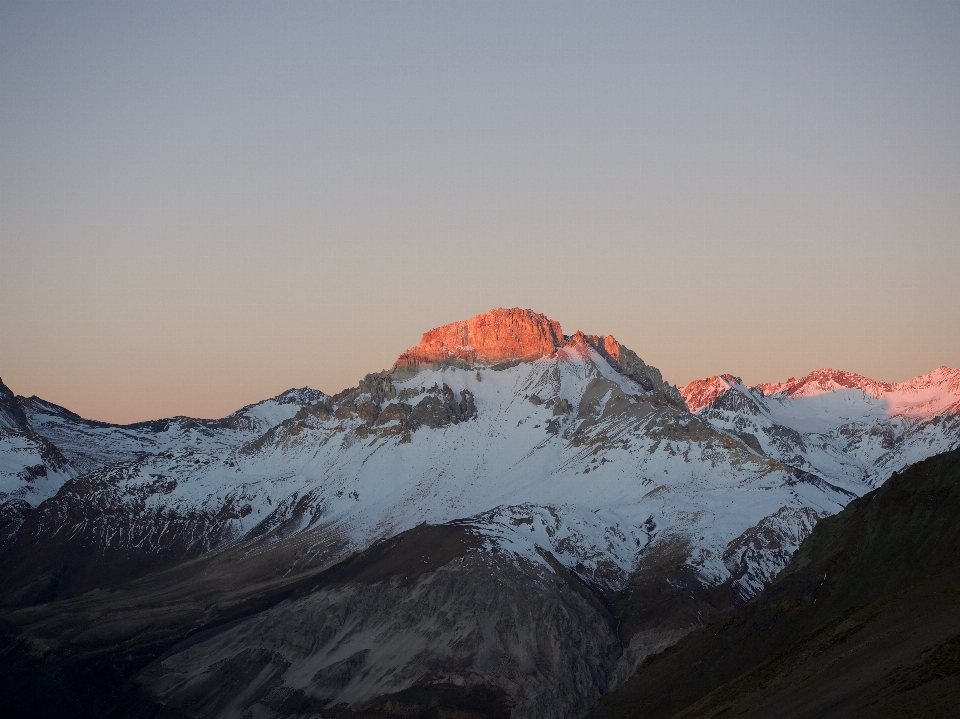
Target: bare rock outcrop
495 336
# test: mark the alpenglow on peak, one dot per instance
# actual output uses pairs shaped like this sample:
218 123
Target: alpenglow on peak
494 336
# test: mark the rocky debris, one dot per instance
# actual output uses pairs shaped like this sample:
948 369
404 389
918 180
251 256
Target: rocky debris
345 410
368 412
439 406
320 410
559 405
395 412
434 412
409 393
379 386
750 440
494 336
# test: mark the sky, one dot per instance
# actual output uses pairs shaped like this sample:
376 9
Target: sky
203 204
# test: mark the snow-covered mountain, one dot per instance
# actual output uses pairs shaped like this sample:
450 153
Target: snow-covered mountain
563 463
90 444
839 425
31 467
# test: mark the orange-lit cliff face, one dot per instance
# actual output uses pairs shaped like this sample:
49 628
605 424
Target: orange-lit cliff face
494 336
505 334
606 345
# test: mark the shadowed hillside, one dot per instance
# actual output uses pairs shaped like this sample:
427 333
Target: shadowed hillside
864 621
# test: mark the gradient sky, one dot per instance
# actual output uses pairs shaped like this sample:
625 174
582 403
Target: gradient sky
203 204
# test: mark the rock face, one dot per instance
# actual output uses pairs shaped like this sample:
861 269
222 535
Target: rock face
11 413
626 362
495 336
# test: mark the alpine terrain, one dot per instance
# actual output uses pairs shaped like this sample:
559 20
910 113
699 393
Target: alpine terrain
506 523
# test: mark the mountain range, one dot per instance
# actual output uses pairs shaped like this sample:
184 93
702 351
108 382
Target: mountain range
508 522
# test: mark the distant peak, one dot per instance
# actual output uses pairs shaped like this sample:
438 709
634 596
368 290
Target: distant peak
942 376
826 380
11 413
494 336
301 396
702 392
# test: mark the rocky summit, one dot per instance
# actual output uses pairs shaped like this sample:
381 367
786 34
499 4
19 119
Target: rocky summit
506 523
495 336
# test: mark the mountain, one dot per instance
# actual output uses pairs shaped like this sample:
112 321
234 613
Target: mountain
837 424
510 518
862 622
31 467
90 444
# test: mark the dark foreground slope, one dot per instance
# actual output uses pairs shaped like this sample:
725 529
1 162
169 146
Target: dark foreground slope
864 622
425 624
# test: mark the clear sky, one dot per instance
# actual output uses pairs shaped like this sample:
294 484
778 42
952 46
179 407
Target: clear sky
203 204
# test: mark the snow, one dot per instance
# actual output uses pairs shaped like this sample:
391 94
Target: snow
847 434
595 487
89 444
24 474
501 467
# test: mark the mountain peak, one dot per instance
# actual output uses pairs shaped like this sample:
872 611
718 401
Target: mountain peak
11 413
702 392
300 396
494 336
826 380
